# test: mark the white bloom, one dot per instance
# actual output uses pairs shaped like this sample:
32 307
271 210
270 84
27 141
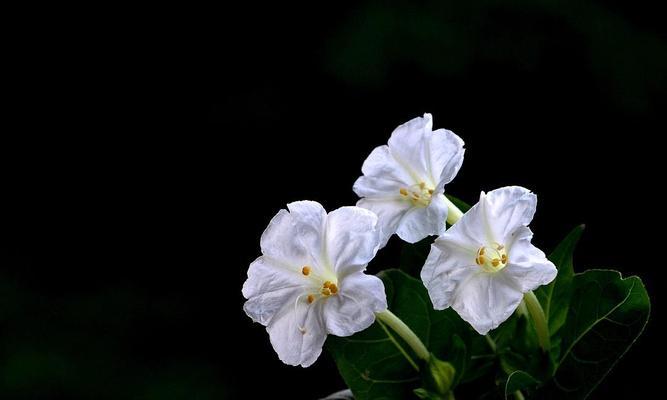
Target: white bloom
485 262
309 280
404 181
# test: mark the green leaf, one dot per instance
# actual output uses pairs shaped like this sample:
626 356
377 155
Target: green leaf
606 315
370 362
518 348
518 380
481 361
555 297
458 357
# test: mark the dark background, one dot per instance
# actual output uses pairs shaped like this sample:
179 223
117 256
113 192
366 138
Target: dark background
149 156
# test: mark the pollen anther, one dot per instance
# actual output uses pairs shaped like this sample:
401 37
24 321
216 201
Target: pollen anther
492 258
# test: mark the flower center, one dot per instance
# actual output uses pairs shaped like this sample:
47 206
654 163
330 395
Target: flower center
492 258
418 194
327 289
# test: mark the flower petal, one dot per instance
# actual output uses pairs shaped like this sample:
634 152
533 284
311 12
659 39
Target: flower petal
352 239
295 237
510 207
297 333
382 164
353 309
420 222
446 267
446 156
270 285
409 144
389 212
377 187
471 231
528 266
486 300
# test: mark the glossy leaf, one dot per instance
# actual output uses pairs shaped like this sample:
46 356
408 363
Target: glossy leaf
607 314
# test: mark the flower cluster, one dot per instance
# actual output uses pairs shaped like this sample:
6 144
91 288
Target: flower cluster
310 282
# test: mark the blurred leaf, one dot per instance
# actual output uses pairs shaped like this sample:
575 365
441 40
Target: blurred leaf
458 356
369 361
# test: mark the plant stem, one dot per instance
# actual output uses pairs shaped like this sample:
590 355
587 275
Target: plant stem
453 212
539 320
518 395
398 346
404 332
522 310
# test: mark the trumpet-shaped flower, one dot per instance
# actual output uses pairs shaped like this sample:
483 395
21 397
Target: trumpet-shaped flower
309 280
485 262
403 182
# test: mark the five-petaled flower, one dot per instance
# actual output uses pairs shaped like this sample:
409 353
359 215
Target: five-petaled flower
309 280
484 263
403 182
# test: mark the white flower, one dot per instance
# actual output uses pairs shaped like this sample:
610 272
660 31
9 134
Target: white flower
485 262
309 280
404 181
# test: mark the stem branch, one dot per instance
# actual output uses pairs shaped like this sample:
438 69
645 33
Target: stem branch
539 320
404 332
453 212
398 346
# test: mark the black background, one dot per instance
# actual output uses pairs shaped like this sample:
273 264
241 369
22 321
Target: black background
148 156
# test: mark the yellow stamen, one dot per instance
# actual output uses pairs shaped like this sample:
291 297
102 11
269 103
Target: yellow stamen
311 298
492 258
327 284
333 288
403 191
305 270
326 292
